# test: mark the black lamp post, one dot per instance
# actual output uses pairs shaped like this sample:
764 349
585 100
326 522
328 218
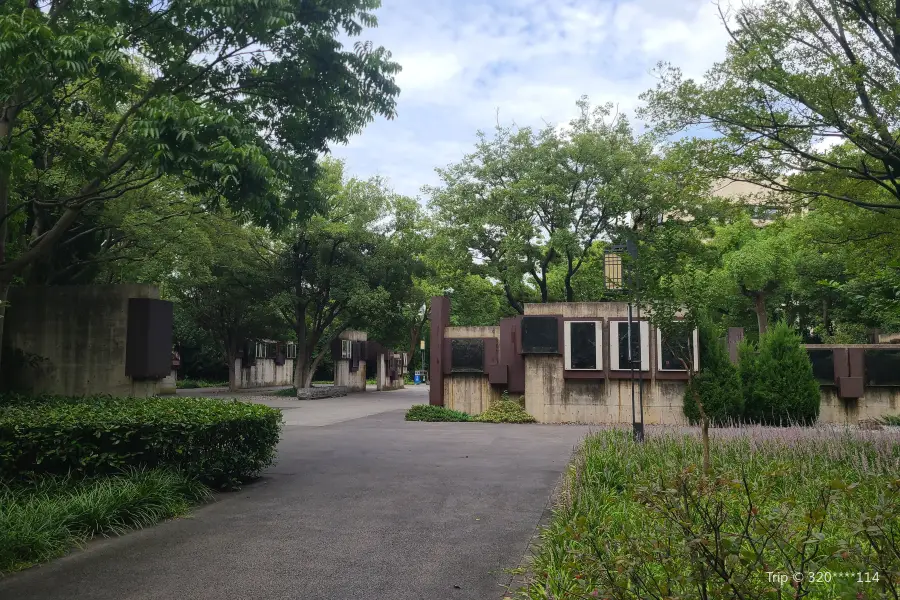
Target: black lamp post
623 279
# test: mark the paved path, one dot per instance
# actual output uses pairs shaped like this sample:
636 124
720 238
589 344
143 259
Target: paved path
360 505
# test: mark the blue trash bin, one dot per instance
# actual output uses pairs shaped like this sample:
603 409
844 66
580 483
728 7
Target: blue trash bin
418 379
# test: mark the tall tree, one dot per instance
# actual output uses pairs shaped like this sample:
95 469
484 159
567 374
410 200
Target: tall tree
798 77
526 200
235 99
344 267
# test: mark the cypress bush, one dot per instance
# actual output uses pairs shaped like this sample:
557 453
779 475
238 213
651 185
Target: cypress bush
716 384
777 378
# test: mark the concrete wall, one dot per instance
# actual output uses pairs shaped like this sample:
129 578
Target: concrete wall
168 385
470 392
265 373
355 382
875 404
551 398
71 340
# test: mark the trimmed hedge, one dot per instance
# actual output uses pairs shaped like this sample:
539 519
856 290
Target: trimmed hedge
717 384
220 442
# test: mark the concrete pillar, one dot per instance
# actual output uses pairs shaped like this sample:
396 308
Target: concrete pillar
440 320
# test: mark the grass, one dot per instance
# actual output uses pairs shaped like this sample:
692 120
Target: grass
640 520
427 412
893 420
46 520
191 384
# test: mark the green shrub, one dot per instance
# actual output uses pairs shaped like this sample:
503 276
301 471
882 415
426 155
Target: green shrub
192 384
891 420
777 378
220 442
290 392
505 411
717 383
43 521
427 412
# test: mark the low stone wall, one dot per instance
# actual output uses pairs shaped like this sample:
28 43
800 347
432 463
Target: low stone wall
317 393
265 373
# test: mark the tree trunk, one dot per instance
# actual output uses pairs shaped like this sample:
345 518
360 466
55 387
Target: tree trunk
302 355
310 373
704 435
231 357
4 293
762 318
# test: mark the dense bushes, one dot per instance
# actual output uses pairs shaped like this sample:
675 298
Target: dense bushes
427 412
716 385
55 514
505 411
777 379
220 442
641 520
500 411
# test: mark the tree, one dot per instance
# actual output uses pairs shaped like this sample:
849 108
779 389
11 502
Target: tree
779 386
221 287
99 98
525 200
343 267
798 77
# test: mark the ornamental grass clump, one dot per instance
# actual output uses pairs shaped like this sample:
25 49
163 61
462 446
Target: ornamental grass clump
642 520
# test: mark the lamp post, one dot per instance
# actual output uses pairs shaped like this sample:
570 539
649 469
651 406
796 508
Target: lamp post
422 348
623 279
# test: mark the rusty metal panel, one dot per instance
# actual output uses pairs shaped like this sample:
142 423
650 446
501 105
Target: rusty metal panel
850 387
511 356
148 343
841 363
440 320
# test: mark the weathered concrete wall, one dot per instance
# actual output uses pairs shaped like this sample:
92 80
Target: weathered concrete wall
470 392
168 385
551 398
355 382
472 332
71 340
265 373
875 404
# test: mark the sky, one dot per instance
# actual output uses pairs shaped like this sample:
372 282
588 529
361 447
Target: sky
467 63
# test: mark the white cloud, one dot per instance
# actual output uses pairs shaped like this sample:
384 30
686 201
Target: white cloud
529 59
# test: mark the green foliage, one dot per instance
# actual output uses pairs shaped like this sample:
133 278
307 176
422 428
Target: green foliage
191 384
427 412
892 420
505 411
526 202
717 384
639 520
777 378
220 442
45 520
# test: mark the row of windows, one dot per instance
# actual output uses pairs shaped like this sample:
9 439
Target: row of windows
584 347
270 350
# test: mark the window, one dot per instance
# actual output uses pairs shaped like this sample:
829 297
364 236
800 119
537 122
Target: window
671 352
540 335
346 351
640 346
291 351
261 348
584 345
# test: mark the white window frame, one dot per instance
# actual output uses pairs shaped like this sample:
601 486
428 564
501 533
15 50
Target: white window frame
614 345
346 349
567 344
290 351
695 346
261 350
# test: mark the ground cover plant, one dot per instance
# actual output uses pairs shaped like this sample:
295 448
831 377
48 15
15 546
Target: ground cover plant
191 384
427 412
49 517
220 442
499 411
785 513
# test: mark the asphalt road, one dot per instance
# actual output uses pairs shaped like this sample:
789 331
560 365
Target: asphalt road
360 506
